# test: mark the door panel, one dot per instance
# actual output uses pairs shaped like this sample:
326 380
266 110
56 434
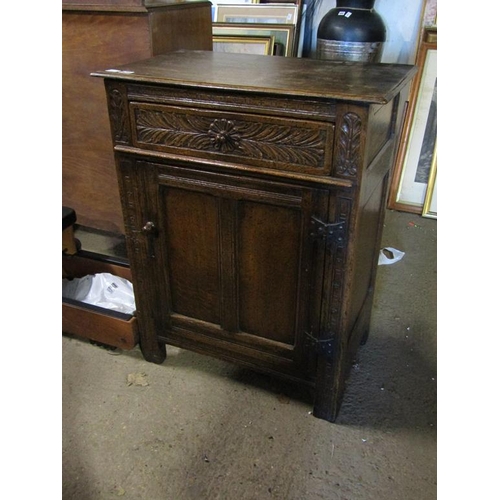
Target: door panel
191 238
268 270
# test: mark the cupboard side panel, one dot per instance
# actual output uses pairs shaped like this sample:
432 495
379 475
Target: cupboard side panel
369 221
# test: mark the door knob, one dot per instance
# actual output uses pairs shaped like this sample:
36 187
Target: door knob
151 232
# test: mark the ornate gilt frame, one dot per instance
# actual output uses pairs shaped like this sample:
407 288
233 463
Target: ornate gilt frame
428 43
243 44
430 203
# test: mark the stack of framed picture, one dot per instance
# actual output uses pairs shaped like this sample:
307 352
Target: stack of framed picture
414 184
254 27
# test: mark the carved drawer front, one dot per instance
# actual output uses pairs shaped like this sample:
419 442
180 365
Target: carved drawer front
266 142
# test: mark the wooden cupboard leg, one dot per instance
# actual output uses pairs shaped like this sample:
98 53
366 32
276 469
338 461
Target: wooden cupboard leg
325 407
329 388
332 373
154 353
152 350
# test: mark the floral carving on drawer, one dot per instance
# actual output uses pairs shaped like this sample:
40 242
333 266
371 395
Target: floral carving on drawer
223 135
268 141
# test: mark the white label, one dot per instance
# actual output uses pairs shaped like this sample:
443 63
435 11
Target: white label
341 13
349 14
122 71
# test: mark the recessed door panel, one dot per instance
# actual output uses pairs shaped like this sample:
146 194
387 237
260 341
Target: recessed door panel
269 240
191 238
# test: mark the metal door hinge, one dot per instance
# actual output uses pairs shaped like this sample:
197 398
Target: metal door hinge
331 233
323 347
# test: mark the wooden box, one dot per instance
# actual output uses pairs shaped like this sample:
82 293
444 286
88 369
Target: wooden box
102 325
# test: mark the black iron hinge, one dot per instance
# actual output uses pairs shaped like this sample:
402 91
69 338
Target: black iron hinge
331 233
323 347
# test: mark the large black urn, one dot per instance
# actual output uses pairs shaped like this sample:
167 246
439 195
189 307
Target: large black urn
352 31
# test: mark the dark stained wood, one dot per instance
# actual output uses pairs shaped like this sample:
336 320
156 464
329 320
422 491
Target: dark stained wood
191 235
269 216
309 146
229 258
95 4
118 5
104 33
371 83
269 258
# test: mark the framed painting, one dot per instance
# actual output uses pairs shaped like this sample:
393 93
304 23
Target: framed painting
241 44
215 3
257 13
430 202
283 33
419 135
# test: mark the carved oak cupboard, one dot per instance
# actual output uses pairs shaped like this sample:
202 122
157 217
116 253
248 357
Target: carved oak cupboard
253 191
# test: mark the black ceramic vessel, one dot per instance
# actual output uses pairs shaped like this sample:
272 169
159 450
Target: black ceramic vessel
352 31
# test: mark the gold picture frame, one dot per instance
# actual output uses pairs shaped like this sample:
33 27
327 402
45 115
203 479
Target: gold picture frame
243 44
283 34
257 13
430 204
419 134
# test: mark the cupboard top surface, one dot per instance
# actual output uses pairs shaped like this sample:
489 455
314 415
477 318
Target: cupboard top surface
351 81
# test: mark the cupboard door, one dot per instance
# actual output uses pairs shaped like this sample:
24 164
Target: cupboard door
238 268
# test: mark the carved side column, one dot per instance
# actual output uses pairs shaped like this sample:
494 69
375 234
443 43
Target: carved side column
350 139
137 189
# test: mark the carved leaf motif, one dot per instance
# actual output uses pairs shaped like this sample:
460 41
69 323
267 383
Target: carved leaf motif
271 142
288 144
349 144
117 114
174 129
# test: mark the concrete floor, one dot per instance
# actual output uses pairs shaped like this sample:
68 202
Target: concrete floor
205 429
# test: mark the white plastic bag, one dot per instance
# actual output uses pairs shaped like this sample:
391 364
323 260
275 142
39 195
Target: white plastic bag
103 290
389 255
